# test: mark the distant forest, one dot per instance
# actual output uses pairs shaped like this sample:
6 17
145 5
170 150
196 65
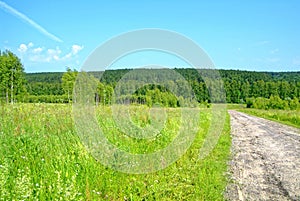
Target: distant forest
239 86
171 88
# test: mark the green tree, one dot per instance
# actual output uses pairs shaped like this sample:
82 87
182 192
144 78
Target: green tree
285 90
245 90
68 80
12 76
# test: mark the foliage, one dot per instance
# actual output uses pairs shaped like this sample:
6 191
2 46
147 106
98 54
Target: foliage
274 102
11 76
48 77
42 99
68 80
239 85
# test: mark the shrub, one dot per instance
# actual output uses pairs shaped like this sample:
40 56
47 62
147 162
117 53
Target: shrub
275 102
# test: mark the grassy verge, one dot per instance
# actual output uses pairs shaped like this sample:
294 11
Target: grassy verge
232 106
41 158
288 117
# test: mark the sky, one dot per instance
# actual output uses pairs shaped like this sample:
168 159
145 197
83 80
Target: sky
49 36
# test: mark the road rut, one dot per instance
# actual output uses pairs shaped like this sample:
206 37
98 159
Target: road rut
265 161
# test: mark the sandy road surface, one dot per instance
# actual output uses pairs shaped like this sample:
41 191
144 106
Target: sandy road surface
265 160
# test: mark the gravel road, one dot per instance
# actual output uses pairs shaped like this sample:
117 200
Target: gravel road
265 161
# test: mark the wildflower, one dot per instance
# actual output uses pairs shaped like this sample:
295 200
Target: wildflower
23 188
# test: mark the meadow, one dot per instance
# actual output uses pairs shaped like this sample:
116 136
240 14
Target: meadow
42 158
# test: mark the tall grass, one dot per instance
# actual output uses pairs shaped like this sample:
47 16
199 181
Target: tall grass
288 117
42 158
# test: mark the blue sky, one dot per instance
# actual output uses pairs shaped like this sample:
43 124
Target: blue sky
246 35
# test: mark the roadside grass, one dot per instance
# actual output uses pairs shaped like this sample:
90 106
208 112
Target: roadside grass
234 106
288 117
42 158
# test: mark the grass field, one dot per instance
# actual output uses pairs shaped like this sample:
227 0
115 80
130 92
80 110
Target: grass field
42 158
288 117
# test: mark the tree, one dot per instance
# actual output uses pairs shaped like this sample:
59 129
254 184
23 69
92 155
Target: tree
12 76
285 90
68 80
245 90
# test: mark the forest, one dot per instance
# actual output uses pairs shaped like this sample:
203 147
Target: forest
265 90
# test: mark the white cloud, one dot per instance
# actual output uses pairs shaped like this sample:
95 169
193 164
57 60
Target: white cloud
56 51
67 56
30 45
22 48
40 54
37 50
56 57
76 49
53 54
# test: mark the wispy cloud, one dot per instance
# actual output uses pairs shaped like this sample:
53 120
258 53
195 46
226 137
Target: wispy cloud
20 15
41 54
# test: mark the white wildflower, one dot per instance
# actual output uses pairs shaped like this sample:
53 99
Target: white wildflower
23 188
3 178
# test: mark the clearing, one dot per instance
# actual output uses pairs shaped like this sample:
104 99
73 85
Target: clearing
265 160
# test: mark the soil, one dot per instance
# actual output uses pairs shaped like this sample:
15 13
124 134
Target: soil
265 161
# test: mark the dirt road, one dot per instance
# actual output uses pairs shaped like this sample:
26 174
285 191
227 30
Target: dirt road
265 160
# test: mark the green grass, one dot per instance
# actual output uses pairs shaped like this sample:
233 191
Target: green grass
42 158
233 106
288 117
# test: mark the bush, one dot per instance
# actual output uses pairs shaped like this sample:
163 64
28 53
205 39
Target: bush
261 103
294 104
249 102
275 102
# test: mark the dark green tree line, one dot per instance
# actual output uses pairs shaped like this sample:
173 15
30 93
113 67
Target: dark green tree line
238 85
